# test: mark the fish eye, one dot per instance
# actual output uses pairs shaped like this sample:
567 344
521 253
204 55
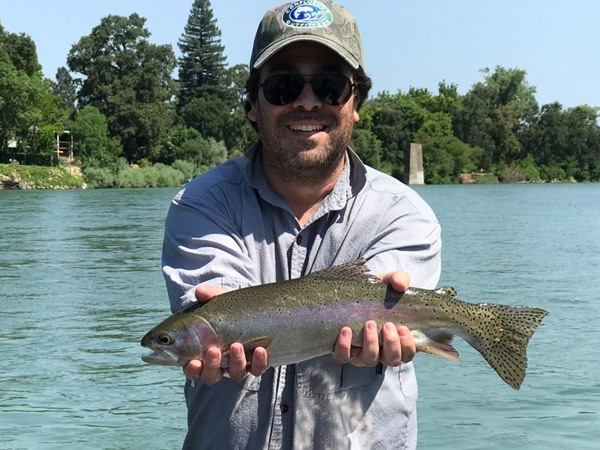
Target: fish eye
164 339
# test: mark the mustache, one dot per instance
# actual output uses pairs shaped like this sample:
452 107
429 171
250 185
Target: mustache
308 116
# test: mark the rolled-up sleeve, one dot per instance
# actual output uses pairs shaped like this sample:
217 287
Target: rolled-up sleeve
202 246
408 237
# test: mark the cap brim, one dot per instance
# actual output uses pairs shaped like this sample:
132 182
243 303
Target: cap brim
270 51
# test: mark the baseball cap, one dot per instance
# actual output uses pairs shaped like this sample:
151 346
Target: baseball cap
323 22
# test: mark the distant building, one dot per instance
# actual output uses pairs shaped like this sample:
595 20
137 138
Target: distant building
64 146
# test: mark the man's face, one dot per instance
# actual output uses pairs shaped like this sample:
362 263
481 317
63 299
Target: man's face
307 138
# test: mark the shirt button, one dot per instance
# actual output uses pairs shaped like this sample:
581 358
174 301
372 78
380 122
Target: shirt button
284 408
299 239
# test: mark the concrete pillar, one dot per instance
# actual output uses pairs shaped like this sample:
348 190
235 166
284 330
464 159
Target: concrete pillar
413 163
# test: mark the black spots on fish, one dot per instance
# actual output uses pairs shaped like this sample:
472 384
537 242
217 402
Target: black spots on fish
434 311
392 297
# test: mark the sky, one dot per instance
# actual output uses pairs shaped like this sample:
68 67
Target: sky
407 44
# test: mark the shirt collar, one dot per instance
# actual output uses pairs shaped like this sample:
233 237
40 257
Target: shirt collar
350 183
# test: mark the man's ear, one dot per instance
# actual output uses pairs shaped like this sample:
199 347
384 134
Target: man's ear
252 113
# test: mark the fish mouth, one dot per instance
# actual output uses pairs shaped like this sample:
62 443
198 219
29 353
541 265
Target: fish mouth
162 357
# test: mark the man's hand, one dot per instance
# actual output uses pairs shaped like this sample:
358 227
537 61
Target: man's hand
398 344
210 370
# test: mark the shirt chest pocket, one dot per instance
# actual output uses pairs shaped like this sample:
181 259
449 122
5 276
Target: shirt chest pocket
323 377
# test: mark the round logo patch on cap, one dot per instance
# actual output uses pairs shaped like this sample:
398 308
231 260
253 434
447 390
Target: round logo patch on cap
307 13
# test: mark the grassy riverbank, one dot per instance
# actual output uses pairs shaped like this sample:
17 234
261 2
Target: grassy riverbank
40 177
72 177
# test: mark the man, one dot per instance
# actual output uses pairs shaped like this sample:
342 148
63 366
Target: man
300 200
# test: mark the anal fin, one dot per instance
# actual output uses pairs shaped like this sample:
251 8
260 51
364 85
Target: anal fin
438 343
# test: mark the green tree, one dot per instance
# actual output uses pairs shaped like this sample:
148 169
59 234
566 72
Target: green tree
546 136
48 119
65 89
564 143
187 144
202 65
20 51
210 94
29 111
584 141
415 116
367 146
445 156
494 113
238 133
129 80
94 145
391 121
183 144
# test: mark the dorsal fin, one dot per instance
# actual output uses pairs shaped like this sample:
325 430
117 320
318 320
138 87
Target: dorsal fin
353 270
447 290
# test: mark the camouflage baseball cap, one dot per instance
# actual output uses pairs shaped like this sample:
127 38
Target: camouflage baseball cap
324 22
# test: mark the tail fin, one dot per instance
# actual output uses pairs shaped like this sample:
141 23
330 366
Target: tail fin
503 337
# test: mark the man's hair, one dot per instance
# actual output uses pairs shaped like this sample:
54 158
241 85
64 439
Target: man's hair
362 81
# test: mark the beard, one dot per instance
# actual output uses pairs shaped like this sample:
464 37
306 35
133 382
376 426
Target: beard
301 160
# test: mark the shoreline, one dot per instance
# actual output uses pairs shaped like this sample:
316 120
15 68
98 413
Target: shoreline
23 177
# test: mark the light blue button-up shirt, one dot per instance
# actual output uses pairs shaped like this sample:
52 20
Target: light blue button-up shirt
228 228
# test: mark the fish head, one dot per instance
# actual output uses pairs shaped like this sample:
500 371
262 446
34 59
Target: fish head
179 339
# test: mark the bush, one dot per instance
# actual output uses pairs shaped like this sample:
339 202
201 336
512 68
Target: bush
553 173
167 176
187 168
486 178
158 175
525 170
132 177
99 177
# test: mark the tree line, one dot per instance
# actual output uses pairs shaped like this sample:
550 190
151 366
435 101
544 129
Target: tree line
121 102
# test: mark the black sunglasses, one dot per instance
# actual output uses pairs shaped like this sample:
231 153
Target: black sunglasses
332 88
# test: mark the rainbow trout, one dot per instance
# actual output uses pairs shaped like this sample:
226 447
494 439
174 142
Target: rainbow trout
299 319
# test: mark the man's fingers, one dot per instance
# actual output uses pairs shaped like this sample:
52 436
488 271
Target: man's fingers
260 361
341 352
368 355
398 279
391 351
205 292
407 343
211 370
192 369
237 362
397 346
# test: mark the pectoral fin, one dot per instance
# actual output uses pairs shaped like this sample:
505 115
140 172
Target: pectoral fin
263 341
249 346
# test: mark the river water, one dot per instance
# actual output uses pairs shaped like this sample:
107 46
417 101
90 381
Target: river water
80 283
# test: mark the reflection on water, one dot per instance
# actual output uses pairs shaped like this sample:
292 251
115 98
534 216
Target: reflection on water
80 284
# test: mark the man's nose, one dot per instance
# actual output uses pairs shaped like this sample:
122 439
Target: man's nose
307 99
